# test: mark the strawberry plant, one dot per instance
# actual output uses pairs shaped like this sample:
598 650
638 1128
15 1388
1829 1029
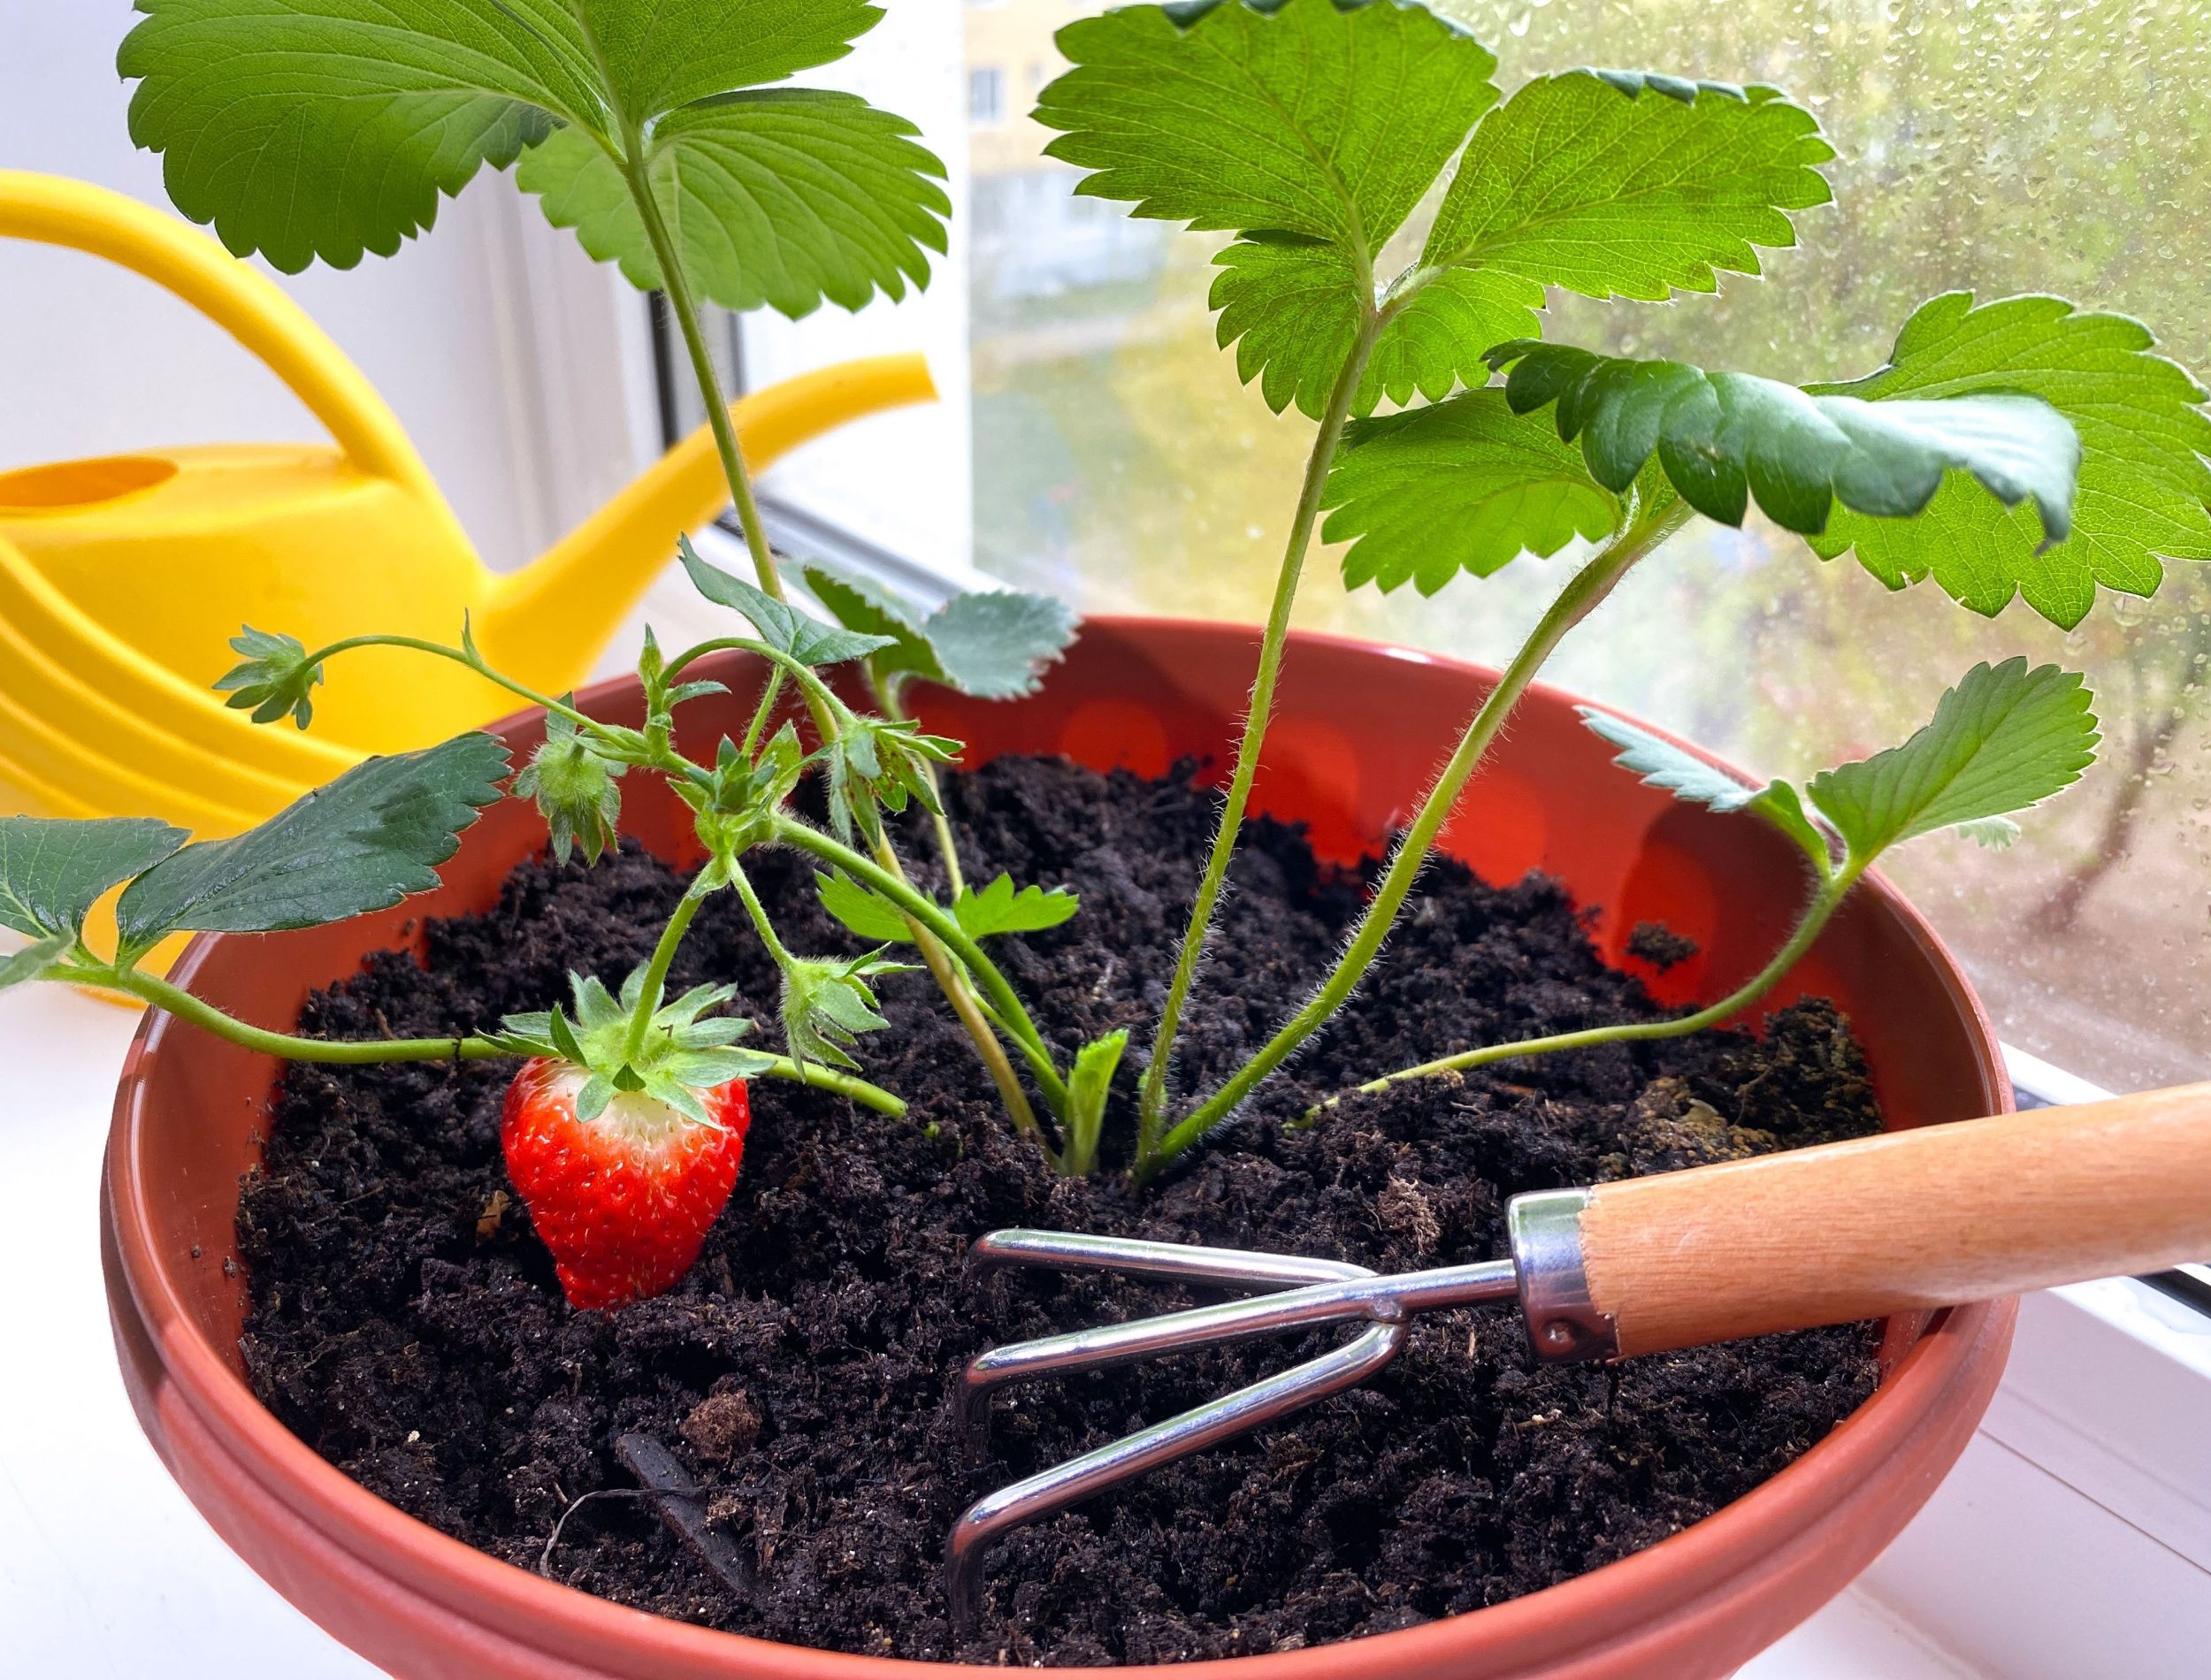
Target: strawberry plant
2016 448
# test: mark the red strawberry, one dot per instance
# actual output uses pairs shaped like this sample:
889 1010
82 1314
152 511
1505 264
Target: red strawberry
623 1201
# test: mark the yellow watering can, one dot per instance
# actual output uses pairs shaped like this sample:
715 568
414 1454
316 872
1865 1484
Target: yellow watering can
123 578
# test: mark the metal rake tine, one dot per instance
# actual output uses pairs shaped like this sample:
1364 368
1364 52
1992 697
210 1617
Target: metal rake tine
1138 1257
1381 1298
1202 1426
1074 1251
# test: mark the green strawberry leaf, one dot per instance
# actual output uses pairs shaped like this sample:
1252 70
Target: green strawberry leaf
998 908
781 196
864 605
32 961
326 128
1309 129
1302 117
274 678
861 910
781 625
1661 764
1458 485
363 842
663 55
1722 438
2004 739
53 869
1290 306
990 643
1436 339
994 644
1611 183
2145 480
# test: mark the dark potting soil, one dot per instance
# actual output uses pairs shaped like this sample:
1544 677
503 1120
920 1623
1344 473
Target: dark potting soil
407 1325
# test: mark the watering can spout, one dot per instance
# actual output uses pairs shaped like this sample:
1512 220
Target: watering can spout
544 623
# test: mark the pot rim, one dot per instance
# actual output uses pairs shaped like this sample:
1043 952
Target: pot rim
1593 1610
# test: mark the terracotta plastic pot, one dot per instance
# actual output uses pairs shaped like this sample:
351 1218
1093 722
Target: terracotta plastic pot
1360 729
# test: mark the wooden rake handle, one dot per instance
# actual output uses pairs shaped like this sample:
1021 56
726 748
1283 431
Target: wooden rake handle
1914 1219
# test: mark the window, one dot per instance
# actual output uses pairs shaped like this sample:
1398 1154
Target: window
986 94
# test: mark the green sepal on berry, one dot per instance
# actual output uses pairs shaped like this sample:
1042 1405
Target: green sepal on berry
275 679
827 1003
573 787
682 1055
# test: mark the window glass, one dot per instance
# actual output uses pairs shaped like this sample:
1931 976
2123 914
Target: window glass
986 94
2000 146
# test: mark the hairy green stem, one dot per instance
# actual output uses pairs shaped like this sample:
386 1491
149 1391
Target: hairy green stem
1822 906
978 1023
350 1052
769 692
1151 1100
947 847
185 1007
459 656
625 742
758 912
1012 1013
649 995
781 664
1579 597
675 286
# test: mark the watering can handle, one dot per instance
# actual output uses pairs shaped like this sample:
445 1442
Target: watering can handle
245 303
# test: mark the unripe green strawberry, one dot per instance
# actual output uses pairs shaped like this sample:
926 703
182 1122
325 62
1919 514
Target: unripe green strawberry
623 1201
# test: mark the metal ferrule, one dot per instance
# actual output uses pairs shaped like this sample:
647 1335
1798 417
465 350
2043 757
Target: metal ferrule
1564 1325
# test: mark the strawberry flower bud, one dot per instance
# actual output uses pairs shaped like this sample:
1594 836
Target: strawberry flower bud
574 788
879 764
827 1004
273 679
